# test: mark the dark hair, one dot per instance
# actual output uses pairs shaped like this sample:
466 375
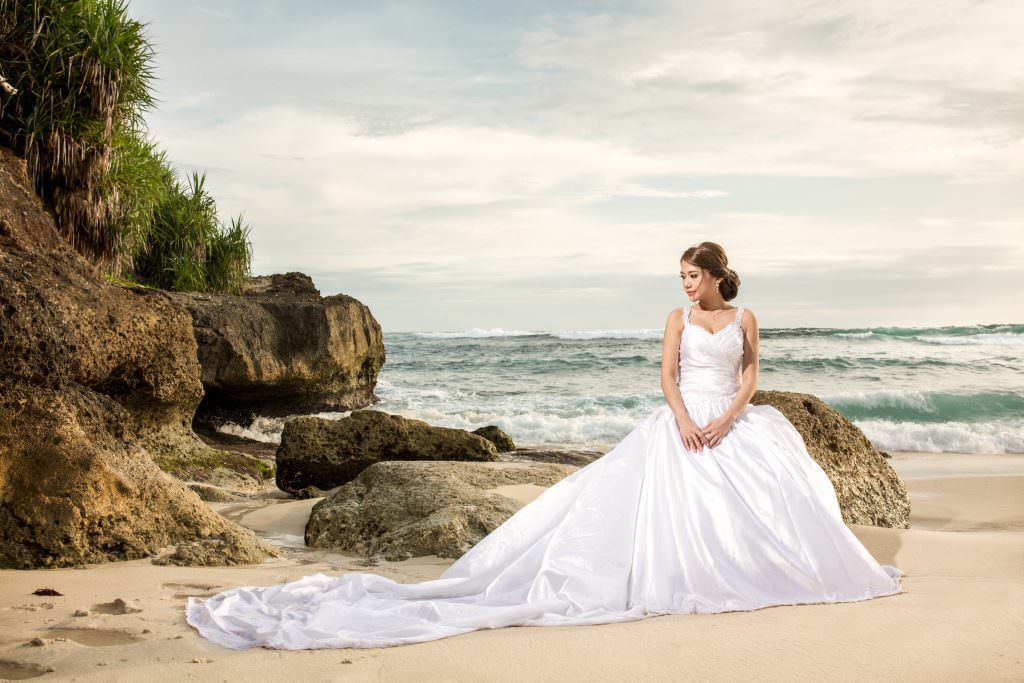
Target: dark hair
711 257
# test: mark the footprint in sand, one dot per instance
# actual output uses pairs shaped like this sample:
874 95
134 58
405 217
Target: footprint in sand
96 637
19 671
192 590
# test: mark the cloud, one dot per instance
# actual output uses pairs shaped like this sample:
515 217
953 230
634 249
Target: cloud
790 88
485 153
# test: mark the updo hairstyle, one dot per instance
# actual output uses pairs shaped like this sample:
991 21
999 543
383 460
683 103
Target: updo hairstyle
711 257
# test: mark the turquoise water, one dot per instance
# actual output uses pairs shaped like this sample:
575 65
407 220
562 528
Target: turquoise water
956 389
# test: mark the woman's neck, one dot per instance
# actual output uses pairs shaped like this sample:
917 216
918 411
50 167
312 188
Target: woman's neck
712 307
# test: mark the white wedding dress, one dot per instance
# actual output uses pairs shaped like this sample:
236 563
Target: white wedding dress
648 528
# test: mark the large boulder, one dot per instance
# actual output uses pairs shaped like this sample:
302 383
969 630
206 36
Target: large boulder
401 509
326 453
280 348
94 379
868 488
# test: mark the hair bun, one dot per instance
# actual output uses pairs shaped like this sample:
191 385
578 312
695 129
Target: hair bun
710 257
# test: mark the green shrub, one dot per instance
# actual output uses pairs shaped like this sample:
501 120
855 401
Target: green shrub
82 70
80 73
187 249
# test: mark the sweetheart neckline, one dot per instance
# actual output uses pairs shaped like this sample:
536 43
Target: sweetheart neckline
710 334
686 320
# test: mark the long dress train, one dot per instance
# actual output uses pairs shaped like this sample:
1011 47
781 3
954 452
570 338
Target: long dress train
649 528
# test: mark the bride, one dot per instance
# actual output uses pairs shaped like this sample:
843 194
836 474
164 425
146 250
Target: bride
710 504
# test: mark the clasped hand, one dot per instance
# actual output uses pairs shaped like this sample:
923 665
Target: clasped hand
710 435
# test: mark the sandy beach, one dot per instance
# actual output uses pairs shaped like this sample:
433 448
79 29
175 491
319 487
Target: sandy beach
960 617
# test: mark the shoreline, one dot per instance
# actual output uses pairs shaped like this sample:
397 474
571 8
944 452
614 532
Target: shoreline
960 615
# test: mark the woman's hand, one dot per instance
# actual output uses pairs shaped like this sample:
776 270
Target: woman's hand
715 430
690 434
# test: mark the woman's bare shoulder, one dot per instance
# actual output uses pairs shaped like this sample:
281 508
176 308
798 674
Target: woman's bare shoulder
675 318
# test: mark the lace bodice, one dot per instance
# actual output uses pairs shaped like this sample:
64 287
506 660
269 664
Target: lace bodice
709 364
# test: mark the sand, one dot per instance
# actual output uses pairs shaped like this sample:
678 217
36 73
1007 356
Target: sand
960 617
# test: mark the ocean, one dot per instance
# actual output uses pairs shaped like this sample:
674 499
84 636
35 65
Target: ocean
944 389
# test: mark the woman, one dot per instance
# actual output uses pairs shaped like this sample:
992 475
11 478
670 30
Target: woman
709 505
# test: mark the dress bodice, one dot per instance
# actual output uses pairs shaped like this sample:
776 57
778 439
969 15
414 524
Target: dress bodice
709 364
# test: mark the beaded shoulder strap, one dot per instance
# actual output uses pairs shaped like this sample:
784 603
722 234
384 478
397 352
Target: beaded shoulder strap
739 316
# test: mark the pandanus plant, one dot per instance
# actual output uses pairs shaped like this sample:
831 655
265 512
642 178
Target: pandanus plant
188 249
75 80
81 74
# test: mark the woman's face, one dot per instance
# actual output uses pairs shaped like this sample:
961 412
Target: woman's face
696 281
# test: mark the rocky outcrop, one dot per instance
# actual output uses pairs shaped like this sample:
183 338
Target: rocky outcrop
397 510
326 453
281 349
94 380
868 488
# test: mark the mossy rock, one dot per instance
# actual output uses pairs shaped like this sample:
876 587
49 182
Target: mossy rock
195 462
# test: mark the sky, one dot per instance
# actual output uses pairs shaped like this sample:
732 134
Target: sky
543 165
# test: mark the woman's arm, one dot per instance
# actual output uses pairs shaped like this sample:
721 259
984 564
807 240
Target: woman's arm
689 433
670 364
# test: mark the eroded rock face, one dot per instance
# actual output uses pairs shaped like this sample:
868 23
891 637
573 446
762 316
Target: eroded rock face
326 453
280 348
868 488
93 378
401 509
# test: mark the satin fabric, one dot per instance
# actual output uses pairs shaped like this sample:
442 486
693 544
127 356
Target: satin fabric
649 528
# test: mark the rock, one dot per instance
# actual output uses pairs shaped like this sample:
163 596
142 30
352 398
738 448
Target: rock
868 488
502 441
82 612
309 492
117 606
216 551
94 378
215 494
231 470
326 453
577 457
282 349
402 509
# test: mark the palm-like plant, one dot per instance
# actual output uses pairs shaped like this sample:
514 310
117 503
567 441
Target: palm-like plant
82 72
188 250
75 82
229 257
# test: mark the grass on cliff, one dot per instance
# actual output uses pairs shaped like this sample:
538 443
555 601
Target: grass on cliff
79 77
